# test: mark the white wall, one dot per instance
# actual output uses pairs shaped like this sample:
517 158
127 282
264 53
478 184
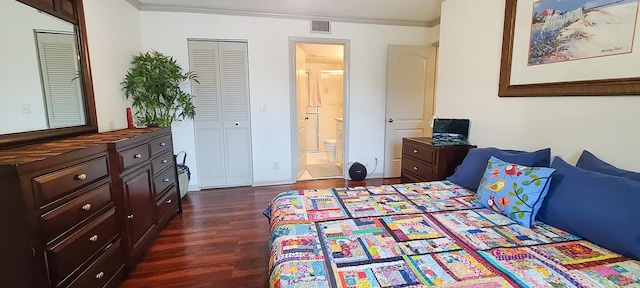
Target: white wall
113 31
469 66
20 70
268 40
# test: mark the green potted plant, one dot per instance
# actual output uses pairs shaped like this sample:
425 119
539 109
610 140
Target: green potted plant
153 84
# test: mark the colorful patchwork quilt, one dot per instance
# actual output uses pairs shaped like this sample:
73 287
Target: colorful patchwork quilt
424 235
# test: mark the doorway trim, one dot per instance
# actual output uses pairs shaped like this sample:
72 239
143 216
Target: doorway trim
346 43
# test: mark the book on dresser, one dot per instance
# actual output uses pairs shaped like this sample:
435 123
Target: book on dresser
423 161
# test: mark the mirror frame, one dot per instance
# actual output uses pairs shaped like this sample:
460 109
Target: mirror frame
56 8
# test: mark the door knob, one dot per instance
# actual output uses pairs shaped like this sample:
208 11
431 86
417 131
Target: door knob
390 120
237 123
306 118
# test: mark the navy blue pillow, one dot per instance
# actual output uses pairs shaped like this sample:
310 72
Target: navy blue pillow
590 162
469 173
600 208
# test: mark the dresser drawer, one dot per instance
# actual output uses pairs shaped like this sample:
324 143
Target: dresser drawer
161 162
422 170
54 185
158 145
133 156
74 212
65 257
418 151
102 270
167 206
163 180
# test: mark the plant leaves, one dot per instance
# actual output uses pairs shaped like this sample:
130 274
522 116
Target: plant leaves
512 194
520 215
525 197
519 191
537 182
526 183
515 186
518 202
516 208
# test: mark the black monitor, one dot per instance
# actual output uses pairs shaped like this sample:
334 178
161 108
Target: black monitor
451 127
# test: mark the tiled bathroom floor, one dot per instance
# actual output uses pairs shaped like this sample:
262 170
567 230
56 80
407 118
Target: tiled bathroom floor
315 158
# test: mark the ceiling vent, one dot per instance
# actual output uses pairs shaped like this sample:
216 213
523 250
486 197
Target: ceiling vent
318 26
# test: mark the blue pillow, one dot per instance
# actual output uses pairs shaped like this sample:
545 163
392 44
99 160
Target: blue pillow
590 162
469 173
598 207
513 190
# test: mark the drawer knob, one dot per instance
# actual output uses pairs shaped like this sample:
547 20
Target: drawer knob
164 161
169 201
415 151
81 177
165 180
415 168
93 238
86 207
130 216
163 144
99 275
137 156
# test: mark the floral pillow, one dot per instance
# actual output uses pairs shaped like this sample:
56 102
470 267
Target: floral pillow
513 190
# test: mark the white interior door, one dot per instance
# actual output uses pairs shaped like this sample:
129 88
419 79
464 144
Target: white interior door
222 123
235 110
410 99
203 60
302 91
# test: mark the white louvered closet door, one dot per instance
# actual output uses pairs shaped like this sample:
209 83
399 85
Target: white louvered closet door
222 122
59 71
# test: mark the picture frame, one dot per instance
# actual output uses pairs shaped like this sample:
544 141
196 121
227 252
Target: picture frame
599 86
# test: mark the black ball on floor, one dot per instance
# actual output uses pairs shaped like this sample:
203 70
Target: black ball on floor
357 171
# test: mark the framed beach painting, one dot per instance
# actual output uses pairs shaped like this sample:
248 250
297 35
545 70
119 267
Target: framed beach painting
570 48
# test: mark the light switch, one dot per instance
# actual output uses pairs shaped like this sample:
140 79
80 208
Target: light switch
263 108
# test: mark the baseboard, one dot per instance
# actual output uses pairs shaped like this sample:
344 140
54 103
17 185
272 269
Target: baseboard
273 182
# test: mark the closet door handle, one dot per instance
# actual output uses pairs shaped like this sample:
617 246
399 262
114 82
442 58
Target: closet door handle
237 123
390 120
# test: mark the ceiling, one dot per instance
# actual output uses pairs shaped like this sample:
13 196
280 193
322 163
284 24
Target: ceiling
424 13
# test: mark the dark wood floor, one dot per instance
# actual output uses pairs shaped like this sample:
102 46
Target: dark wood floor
221 239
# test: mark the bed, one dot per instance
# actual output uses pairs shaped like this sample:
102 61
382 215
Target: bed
422 235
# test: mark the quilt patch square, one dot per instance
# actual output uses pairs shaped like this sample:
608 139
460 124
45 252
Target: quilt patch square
428 246
428 204
432 187
323 207
412 227
495 217
377 190
573 255
462 220
484 238
287 248
432 273
553 233
621 274
358 240
527 269
462 265
378 205
522 236
311 274
385 274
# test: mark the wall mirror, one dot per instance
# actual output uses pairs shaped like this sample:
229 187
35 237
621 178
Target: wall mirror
45 76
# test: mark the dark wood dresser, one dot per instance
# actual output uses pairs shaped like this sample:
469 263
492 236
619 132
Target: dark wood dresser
421 161
79 212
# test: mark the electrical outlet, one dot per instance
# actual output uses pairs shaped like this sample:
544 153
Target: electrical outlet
276 165
25 108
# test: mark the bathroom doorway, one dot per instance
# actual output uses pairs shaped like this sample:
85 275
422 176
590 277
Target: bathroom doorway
320 109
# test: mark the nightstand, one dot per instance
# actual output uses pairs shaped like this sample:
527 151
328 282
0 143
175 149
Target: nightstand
422 161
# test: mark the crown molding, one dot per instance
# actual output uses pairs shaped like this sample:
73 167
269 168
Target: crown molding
135 3
239 12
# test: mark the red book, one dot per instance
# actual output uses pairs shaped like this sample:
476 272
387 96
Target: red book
129 118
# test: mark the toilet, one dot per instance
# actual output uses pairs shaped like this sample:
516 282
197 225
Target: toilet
330 144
